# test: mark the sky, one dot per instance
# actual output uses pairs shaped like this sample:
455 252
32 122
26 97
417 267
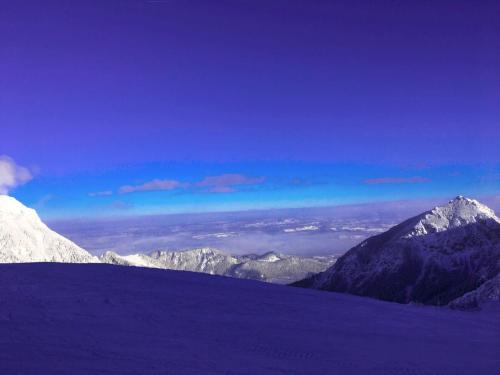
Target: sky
142 107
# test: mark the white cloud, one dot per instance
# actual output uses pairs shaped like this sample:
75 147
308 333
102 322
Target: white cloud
153 185
12 174
225 183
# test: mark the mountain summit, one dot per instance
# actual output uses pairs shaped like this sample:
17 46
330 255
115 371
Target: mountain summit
432 258
24 238
458 212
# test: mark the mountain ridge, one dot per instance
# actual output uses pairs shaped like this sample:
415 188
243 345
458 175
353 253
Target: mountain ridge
270 267
25 238
432 258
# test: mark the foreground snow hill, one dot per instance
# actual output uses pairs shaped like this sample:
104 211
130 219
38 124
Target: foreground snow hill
25 238
432 258
77 319
269 267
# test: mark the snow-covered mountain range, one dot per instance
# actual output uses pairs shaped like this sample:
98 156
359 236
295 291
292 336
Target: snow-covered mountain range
271 267
450 254
25 238
433 258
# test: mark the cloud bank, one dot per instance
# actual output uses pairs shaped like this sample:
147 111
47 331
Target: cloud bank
12 174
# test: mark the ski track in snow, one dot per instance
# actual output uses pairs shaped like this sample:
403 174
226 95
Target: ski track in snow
102 319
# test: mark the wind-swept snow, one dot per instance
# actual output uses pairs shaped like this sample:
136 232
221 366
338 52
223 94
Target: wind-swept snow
83 319
25 238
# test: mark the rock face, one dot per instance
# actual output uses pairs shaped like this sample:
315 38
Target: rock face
24 238
270 267
432 258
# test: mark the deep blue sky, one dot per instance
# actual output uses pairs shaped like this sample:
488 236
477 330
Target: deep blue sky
278 103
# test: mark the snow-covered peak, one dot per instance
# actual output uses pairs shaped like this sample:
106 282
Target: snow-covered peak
458 212
25 238
269 257
11 208
203 251
431 258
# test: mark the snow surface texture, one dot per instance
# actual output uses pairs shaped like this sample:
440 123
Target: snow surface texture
432 258
269 267
90 319
25 238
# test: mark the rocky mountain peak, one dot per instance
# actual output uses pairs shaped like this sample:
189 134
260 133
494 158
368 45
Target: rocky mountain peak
458 212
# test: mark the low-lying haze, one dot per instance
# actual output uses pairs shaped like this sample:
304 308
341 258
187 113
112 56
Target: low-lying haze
305 231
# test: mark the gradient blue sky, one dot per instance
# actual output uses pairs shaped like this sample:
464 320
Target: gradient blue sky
132 107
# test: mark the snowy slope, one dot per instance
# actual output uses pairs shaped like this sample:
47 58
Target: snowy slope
487 293
270 267
432 258
77 319
25 238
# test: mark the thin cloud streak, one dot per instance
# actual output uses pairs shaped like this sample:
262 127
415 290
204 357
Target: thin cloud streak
226 183
396 180
105 193
154 185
